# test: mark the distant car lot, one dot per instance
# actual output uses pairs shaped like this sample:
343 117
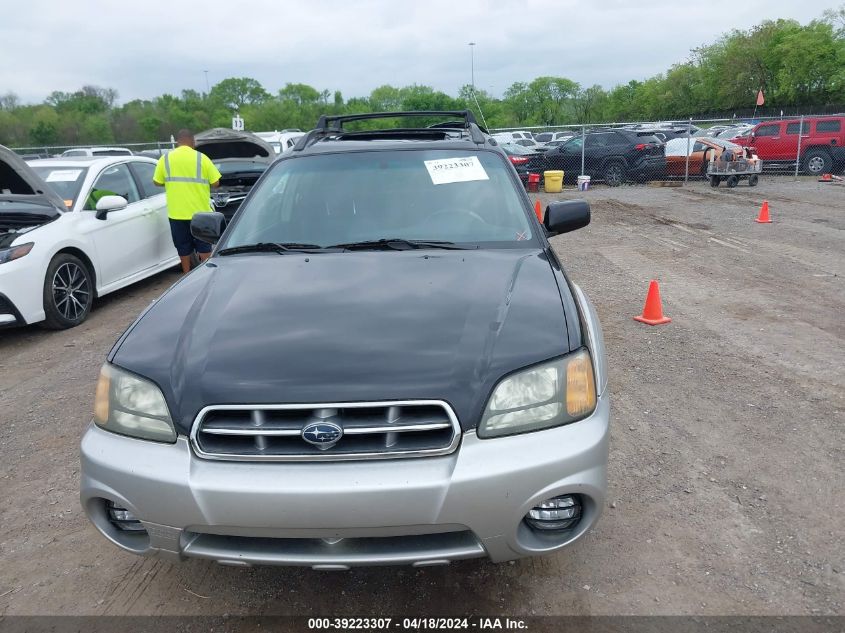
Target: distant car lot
725 490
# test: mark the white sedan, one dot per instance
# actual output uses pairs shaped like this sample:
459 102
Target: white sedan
72 229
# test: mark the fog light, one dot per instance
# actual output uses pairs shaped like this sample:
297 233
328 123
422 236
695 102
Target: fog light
558 513
123 519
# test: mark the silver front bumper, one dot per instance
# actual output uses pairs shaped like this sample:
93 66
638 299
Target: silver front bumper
414 511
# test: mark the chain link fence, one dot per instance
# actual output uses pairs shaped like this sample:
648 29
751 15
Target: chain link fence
51 151
672 153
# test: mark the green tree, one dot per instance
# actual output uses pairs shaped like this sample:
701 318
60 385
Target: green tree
236 92
811 65
45 126
300 94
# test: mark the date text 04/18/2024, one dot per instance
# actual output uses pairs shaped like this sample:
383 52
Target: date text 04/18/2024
416 624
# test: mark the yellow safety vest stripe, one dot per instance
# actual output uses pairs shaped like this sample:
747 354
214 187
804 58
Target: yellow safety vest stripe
199 179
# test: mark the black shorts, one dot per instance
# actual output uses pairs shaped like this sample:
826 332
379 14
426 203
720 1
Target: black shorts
184 242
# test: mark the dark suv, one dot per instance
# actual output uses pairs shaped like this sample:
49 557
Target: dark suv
613 156
382 362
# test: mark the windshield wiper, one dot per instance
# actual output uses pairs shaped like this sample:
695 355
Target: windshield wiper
397 244
271 247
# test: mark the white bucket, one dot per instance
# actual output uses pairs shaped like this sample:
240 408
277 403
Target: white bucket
583 183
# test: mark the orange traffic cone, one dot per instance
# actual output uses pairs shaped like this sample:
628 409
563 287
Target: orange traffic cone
538 210
653 310
764 218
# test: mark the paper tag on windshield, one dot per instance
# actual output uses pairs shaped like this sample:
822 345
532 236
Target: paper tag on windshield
63 175
446 170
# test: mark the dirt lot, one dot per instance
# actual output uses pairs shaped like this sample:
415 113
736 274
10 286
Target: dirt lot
726 471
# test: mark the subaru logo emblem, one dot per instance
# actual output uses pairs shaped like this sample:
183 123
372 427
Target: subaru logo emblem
221 199
323 435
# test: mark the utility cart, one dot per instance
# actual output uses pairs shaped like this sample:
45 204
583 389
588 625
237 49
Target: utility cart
732 169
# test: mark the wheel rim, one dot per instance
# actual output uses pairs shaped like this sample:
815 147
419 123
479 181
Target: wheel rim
815 164
613 175
71 291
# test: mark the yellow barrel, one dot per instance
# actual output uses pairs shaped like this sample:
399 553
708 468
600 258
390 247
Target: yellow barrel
553 181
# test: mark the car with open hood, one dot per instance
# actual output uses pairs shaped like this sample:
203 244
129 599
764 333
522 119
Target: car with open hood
241 158
73 229
382 362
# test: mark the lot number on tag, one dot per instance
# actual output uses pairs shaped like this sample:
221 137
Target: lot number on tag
464 169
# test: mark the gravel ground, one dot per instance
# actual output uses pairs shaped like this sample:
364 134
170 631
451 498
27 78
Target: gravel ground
726 472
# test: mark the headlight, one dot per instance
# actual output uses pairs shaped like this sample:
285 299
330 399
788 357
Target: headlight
15 252
129 405
554 393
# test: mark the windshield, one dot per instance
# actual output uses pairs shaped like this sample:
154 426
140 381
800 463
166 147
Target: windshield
65 181
463 196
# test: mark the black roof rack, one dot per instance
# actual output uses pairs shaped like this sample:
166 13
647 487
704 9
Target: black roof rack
333 125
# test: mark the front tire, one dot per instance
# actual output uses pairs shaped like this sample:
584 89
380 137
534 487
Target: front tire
752 180
732 181
817 162
68 292
714 181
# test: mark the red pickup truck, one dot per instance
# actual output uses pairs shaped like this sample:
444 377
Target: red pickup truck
822 147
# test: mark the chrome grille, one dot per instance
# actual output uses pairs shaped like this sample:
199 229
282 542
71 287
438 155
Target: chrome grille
370 430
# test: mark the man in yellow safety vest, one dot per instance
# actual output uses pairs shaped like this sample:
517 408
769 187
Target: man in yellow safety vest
187 177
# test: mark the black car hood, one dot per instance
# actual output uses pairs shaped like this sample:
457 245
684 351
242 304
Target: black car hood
351 326
20 183
219 143
26 201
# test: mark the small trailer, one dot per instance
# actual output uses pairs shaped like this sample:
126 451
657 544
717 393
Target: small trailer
732 169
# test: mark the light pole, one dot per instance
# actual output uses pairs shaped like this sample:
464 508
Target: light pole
206 82
472 64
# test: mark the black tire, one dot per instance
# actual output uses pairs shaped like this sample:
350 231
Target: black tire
68 292
752 180
614 173
714 181
732 181
817 162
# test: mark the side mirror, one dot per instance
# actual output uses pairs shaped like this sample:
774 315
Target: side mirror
107 204
208 226
566 216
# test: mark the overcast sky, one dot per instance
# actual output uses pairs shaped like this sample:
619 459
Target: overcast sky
149 47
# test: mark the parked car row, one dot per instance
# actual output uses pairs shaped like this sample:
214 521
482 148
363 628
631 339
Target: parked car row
644 152
610 155
281 142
